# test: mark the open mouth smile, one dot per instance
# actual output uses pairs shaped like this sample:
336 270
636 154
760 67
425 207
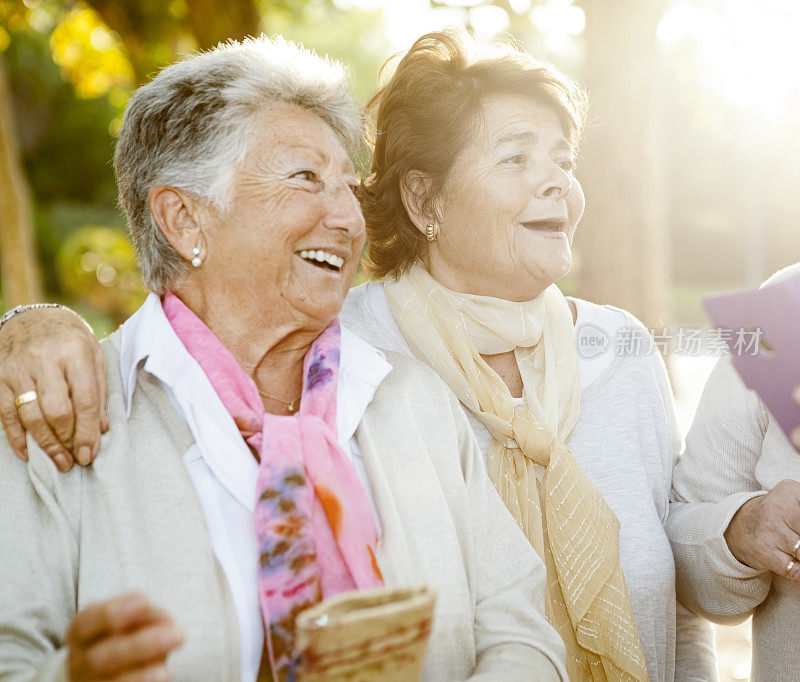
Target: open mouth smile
325 260
553 225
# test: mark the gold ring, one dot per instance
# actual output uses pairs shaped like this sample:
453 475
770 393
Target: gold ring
789 567
795 548
27 397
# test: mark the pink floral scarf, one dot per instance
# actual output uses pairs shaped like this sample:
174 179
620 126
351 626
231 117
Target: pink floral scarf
314 540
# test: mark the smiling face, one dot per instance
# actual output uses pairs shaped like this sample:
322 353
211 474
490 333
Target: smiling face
510 206
290 243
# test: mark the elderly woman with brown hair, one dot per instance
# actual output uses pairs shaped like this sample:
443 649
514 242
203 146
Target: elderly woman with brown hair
471 206
259 458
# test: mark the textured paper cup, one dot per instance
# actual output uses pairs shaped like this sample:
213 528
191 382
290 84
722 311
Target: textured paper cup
362 636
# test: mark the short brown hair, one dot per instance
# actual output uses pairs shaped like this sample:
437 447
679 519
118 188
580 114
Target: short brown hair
425 114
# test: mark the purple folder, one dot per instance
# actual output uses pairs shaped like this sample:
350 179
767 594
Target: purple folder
772 313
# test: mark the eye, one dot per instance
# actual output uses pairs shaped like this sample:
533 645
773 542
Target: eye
307 175
517 159
567 165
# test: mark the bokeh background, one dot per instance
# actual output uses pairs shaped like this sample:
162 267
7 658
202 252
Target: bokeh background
689 163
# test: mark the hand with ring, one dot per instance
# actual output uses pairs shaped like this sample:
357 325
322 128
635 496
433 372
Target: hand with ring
788 572
52 385
765 532
27 397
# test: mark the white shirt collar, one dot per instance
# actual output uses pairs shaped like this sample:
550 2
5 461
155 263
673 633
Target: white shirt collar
147 335
362 368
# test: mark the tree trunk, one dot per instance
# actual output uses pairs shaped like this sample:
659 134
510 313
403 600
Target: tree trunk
623 239
19 268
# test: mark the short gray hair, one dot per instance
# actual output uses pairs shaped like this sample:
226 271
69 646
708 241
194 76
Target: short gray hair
188 128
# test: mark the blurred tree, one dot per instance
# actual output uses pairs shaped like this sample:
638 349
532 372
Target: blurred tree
19 268
154 31
623 238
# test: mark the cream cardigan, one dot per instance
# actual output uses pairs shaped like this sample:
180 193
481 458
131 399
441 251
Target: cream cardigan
132 521
734 451
626 440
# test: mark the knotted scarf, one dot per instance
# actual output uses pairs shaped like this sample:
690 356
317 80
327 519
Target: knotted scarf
313 521
560 511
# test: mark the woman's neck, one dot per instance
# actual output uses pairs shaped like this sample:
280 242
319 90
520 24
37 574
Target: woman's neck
505 290
455 286
505 364
270 345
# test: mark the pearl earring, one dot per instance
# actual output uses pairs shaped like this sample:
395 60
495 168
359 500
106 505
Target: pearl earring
196 261
431 232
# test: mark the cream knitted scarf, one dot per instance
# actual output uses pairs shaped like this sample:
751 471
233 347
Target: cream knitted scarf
560 511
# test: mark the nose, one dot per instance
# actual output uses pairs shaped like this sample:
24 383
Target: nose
344 214
553 181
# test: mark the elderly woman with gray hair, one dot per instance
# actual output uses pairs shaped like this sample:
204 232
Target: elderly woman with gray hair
258 457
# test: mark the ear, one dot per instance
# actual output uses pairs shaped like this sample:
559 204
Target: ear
415 189
178 216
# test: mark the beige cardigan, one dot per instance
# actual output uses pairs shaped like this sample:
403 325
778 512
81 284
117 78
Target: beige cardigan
734 451
132 521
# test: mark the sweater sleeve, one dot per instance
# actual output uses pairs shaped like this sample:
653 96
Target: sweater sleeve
38 571
712 480
695 652
511 631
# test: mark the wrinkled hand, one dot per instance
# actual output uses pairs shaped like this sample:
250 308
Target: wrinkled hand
53 352
795 435
764 532
123 639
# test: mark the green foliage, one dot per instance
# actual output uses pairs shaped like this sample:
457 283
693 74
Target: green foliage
56 222
65 140
66 149
97 265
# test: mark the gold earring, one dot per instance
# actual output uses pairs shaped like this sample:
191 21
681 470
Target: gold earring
431 232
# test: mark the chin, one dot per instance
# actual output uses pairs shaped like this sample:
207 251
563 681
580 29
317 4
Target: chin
562 271
550 272
562 265
325 311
